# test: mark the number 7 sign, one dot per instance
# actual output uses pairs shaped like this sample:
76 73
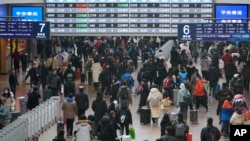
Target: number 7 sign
41 30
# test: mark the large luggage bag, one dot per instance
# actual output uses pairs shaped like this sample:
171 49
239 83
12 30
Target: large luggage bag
175 96
125 138
193 116
60 125
173 116
145 115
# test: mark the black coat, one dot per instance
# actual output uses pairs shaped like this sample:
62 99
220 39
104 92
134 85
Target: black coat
144 95
230 69
245 71
128 119
213 74
99 106
205 133
160 73
106 123
33 100
82 101
13 80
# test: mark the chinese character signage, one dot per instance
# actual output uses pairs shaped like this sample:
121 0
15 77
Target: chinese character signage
231 13
31 13
3 12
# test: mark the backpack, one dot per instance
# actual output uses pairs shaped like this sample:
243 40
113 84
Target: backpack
123 116
129 78
211 135
104 131
124 93
187 97
154 101
180 129
88 65
168 83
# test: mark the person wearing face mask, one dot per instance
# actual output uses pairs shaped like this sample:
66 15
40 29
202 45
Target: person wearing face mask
8 99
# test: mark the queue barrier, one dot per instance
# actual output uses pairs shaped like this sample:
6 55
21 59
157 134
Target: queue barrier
34 122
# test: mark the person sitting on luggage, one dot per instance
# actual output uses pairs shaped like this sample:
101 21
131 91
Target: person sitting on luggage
83 129
164 123
181 128
210 132
60 136
168 135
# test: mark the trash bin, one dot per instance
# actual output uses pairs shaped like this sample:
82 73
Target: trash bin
22 104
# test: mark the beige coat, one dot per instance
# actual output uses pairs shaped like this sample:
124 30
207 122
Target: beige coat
96 70
70 109
237 119
9 103
155 111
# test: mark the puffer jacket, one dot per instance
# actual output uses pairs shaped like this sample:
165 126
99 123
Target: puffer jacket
226 111
237 119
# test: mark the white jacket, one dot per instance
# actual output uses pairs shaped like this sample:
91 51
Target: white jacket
83 129
96 70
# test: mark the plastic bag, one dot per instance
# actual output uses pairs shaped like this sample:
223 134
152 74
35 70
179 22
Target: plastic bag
132 132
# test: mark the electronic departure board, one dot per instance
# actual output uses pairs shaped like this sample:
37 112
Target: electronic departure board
24 30
159 17
214 32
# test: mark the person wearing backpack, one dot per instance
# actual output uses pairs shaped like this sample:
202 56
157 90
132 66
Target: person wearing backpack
99 106
124 94
221 96
124 119
210 132
154 99
181 128
183 100
168 134
106 129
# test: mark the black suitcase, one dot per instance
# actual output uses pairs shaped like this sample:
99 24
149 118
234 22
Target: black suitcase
60 125
145 115
194 116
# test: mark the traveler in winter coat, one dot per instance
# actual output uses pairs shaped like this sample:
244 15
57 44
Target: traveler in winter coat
33 98
191 69
204 63
164 123
168 134
213 76
238 118
211 132
154 100
144 92
8 100
226 113
13 82
227 57
124 94
174 57
246 74
69 86
124 117
182 75
221 96
180 100
82 101
70 111
99 106
200 93
83 129
184 128
230 70
160 74
96 70
106 129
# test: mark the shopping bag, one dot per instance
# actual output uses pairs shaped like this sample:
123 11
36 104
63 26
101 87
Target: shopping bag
166 103
132 132
247 115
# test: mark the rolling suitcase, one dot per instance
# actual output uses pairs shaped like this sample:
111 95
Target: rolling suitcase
189 137
125 138
145 115
60 125
175 96
173 116
194 116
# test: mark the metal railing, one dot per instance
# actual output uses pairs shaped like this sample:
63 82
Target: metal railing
34 122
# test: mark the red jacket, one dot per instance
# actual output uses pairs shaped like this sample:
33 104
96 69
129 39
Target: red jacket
227 57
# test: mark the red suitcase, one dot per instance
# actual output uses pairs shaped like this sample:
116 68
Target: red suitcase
189 137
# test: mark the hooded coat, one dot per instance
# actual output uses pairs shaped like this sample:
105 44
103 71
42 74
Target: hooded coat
237 119
83 129
226 111
99 106
70 108
155 110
